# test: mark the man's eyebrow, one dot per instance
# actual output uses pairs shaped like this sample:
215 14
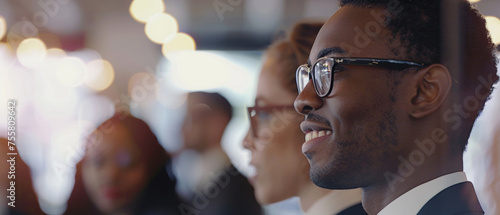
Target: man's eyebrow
328 51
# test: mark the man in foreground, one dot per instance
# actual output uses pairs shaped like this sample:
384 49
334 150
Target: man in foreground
387 111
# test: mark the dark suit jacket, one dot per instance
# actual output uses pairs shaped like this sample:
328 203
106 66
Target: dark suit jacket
356 209
229 194
459 199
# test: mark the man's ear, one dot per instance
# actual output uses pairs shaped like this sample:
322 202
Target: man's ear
431 87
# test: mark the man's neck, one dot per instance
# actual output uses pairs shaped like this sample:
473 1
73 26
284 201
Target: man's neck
309 194
395 184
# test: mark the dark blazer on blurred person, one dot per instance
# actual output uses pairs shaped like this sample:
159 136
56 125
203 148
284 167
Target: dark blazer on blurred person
219 188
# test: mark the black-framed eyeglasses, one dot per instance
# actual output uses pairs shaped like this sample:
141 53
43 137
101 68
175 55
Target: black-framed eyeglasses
260 116
324 69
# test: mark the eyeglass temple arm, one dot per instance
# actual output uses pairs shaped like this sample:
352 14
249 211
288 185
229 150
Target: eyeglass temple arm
392 64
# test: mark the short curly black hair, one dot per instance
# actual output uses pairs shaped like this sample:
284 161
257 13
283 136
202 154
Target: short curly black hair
418 24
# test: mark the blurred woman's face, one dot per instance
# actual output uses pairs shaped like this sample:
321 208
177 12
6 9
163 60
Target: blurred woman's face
281 169
113 172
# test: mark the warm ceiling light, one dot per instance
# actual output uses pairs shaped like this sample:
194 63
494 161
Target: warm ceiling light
493 25
7 58
100 75
70 71
161 27
3 27
56 52
142 10
31 52
180 42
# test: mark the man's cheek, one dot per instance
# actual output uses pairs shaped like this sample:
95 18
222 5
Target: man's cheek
347 109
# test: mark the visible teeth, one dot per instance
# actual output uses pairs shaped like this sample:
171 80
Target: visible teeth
308 136
321 133
315 134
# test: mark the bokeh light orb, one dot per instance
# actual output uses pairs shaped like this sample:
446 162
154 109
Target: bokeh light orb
161 27
493 25
100 75
31 52
142 10
7 57
56 52
180 42
3 27
70 71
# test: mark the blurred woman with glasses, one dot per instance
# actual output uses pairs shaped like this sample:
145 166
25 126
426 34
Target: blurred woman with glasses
275 138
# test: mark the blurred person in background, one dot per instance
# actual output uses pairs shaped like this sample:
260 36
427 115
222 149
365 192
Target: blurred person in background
125 170
275 138
219 189
24 199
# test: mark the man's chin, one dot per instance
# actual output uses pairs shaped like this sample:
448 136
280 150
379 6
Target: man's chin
329 178
317 162
321 182
320 176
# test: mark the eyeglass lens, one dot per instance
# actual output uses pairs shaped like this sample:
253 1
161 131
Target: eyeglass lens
322 75
302 77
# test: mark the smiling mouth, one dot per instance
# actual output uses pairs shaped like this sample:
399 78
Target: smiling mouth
316 134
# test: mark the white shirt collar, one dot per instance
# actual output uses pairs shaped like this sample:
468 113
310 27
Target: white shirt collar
335 202
412 201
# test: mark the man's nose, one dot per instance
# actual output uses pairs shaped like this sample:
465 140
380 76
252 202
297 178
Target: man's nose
308 100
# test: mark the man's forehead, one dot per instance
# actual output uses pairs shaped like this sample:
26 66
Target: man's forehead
354 32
